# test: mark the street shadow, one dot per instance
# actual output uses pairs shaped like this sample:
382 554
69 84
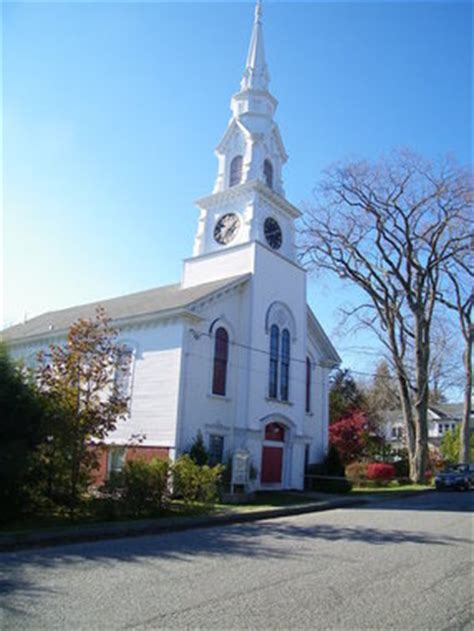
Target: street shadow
437 501
259 540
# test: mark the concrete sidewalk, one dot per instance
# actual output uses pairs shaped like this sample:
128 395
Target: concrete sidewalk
115 530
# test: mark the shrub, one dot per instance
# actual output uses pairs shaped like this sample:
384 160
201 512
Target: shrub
380 472
141 488
194 483
357 472
324 484
402 466
332 463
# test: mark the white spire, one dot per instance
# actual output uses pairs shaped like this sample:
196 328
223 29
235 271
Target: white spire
256 75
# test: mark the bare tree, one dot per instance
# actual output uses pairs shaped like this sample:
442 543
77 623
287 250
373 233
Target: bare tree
445 368
382 392
389 228
457 294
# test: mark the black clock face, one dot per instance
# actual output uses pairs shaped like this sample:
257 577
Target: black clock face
273 233
226 228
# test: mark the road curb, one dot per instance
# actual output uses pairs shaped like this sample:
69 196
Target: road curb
115 531
11 543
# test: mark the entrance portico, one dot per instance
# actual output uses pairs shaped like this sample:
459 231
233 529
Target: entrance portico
276 452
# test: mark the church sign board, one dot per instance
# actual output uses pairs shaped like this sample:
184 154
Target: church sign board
240 467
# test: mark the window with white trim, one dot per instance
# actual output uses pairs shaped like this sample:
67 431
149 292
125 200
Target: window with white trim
116 460
221 358
216 449
308 385
123 372
279 372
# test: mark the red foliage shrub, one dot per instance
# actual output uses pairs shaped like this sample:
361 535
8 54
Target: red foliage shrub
353 435
380 471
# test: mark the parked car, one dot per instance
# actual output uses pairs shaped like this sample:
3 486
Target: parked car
459 476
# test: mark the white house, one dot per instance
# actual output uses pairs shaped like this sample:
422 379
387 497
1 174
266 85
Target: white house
442 418
233 349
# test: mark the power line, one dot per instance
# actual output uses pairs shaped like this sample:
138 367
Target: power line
198 334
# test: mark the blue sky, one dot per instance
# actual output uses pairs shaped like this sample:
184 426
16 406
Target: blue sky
111 112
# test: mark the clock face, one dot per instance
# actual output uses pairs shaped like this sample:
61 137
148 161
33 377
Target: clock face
273 233
226 228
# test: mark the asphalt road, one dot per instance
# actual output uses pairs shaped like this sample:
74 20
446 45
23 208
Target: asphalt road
402 564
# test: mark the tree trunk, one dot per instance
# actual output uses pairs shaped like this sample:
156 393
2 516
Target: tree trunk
407 413
420 457
465 433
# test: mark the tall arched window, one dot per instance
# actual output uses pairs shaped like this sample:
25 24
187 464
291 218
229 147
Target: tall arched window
274 352
268 173
235 171
285 365
308 384
221 356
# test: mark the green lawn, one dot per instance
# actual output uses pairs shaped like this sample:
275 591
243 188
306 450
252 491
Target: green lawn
177 508
392 488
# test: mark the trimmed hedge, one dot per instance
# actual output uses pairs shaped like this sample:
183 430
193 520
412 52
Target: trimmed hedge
328 484
381 472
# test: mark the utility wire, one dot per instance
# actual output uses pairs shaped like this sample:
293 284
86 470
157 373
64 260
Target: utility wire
198 334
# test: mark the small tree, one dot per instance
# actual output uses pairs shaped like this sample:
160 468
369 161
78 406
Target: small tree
354 436
198 452
450 446
79 379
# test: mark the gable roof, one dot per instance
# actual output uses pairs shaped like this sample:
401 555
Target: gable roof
436 413
142 303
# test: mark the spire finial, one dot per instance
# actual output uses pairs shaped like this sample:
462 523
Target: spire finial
256 72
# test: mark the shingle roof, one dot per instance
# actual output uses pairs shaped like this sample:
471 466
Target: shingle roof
166 298
454 410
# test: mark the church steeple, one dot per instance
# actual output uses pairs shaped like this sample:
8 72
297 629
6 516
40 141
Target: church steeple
247 205
256 75
251 148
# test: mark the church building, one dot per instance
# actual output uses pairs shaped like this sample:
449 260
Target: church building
233 350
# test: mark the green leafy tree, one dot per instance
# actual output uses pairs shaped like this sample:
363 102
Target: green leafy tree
450 446
344 395
79 379
22 429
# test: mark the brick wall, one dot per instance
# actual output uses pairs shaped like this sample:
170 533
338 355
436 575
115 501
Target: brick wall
99 476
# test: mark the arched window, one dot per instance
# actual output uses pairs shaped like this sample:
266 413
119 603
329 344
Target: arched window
308 384
221 356
235 171
275 431
274 352
285 365
268 173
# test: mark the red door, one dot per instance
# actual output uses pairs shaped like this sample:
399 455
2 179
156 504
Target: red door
272 460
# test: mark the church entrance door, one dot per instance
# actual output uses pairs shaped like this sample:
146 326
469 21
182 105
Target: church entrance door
272 454
272 460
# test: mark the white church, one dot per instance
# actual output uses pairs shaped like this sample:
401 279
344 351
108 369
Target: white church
233 349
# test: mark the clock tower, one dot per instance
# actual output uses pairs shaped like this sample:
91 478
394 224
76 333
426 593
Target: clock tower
247 205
